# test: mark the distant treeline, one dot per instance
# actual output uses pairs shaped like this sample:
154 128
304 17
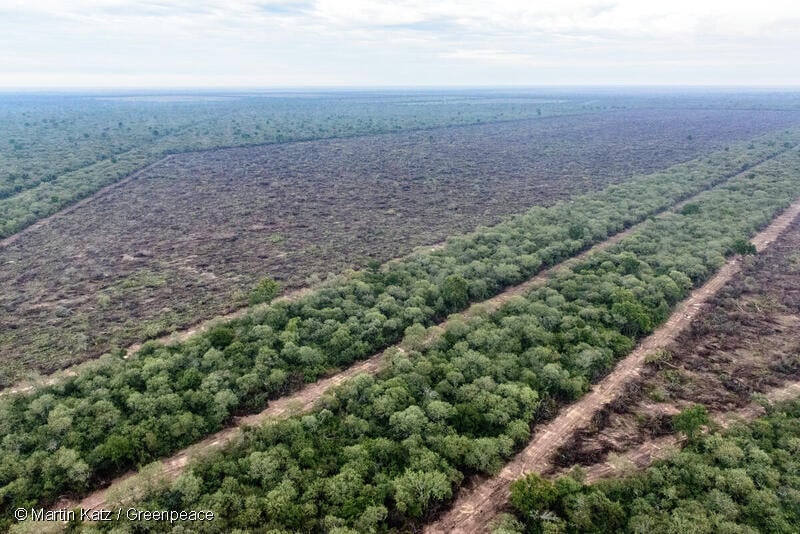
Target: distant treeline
57 150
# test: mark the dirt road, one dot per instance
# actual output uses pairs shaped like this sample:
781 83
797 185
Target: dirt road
475 507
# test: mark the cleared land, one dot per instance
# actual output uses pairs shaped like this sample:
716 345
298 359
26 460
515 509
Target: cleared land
743 342
479 503
187 239
57 149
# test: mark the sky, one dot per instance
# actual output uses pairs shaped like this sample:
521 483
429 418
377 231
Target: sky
356 43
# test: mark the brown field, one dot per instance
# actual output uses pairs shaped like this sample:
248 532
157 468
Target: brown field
744 342
187 239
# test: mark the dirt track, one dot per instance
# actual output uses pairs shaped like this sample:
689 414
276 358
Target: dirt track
477 506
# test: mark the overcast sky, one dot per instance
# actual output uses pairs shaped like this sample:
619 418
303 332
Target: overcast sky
265 43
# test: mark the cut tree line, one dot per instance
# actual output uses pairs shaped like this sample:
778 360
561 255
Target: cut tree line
740 480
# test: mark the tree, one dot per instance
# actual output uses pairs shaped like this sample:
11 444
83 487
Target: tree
690 209
533 494
220 336
455 292
264 291
743 246
414 491
690 420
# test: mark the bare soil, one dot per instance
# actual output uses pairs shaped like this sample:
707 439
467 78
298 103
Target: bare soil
185 240
644 454
744 343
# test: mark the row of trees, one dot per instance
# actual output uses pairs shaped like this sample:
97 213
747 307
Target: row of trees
744 480
122 413
379 453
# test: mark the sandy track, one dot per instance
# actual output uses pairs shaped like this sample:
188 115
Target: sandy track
477 506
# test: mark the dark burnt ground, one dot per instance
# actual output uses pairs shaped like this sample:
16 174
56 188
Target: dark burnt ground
744 342
189 238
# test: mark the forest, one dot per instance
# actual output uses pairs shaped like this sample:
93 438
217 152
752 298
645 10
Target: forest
387 450
741 480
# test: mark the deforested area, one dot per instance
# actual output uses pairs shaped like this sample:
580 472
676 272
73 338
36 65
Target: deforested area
191 236
56 149
743 479
399 267
741 344
492 377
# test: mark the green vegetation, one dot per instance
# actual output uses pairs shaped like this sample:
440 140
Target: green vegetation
690 421
691 208
122 413
743 246
266 290
743 480
389 446
55 150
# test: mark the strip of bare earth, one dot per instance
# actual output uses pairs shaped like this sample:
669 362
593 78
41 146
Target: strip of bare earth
304 399
475 507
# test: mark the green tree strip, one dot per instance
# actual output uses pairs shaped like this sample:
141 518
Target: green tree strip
122 413
743 480
381 452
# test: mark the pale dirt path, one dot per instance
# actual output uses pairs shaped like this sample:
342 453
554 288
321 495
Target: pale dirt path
475 507
651 450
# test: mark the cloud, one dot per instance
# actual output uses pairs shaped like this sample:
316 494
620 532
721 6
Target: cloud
367 41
